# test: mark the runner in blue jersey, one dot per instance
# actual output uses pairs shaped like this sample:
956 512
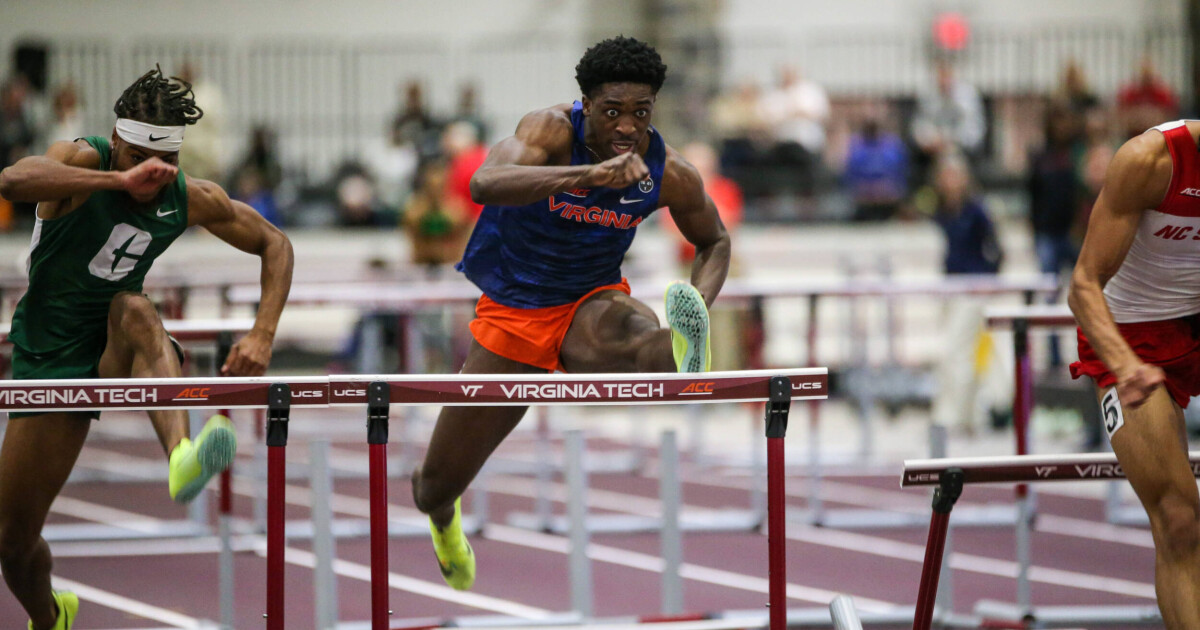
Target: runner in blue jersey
563 198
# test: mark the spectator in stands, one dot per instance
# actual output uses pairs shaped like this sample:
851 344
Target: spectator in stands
203 154
1055 196
392 160
464 154
1146 101
415 124
948 118
259 174
17 133
1074 90
436 222
17 136
876 171
68 122
968 380
357 200
971 242
737 120
468 111
796 112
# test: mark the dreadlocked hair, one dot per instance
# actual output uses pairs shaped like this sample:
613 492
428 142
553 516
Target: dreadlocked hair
156 99
620 60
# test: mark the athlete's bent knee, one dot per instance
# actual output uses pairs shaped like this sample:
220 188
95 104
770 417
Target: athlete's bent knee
1178 522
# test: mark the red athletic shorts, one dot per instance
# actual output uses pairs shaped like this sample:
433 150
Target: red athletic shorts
1173 345
529 335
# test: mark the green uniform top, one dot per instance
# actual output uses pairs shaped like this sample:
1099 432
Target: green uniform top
79 261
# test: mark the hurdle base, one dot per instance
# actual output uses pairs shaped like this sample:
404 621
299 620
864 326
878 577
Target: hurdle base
1070 616
596 462
699 521
475 621
990 515
1127 515
819 617
141 529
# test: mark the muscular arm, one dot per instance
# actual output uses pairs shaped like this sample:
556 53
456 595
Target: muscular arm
62 178
533 164
1137 180
696 217
60 181
239 225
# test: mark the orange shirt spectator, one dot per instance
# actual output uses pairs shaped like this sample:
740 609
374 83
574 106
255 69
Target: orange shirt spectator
725 193
466 154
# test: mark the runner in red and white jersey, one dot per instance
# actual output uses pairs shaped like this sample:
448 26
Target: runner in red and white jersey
1136 295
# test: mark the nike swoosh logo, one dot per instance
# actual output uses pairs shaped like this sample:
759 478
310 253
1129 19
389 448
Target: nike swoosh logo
163 214
624 200
153 139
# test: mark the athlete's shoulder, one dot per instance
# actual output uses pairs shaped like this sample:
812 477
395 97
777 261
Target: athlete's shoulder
681 180
549 129
206 199
77 153
1140 172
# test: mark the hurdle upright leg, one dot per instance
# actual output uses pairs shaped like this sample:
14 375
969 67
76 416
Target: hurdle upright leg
944 497
378 402
778 405
279 402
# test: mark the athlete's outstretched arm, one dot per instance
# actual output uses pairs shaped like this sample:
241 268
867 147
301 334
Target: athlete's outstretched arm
239 225
1136 180
68 171
697 219
533 164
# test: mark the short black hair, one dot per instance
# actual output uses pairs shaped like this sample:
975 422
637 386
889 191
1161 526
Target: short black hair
156 99
620 60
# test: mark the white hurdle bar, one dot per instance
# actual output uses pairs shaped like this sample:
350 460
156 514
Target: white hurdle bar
950 475
776 388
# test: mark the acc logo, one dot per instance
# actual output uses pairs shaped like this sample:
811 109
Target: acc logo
702 388
193 393
578 192
646 185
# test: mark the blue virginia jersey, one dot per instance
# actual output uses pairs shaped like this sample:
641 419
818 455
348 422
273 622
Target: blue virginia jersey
553 251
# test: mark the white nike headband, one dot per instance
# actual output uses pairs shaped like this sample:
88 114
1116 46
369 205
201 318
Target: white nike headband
153 137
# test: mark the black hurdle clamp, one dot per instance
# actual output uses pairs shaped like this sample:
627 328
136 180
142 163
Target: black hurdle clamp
950 486
379 400
279 409
779 402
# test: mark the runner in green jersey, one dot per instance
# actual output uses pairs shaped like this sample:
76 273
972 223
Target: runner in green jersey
106 208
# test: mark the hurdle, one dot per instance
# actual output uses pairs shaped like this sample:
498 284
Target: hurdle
950 475
777 389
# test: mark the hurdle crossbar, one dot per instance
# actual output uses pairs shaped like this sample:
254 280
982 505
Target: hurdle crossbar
776 388
1020 468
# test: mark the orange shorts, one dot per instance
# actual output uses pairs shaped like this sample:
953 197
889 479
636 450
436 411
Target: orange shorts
529 335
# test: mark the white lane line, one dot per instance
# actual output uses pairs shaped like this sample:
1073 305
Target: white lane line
88 511
618 502
441 592
127 605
